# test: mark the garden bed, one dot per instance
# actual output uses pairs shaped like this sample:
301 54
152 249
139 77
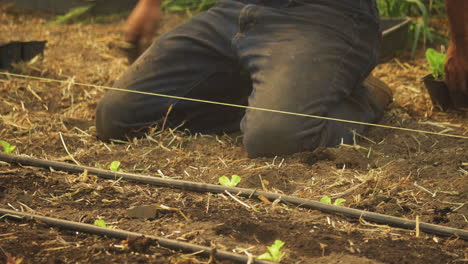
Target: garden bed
393 172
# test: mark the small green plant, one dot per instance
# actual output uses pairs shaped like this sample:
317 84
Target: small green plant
417 9
7 148
186 5
421 26
102 223
328 200
72 16
114 166
436 62
274 252
225 181
401 8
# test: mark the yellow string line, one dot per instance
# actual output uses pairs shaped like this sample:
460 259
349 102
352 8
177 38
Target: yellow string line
233 105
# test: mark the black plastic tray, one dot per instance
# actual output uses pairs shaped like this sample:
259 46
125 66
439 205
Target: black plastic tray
19 51
395 36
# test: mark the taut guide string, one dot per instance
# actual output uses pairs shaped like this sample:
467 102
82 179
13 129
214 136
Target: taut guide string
232 105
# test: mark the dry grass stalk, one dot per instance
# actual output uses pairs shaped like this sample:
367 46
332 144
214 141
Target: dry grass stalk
68 152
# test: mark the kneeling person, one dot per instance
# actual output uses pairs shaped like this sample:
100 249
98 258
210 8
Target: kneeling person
308 57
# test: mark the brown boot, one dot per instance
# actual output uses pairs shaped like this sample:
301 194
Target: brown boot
379 91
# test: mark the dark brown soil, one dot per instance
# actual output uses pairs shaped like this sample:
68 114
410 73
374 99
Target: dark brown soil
394 172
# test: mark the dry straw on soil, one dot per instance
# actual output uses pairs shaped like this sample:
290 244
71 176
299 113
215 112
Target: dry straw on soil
397 173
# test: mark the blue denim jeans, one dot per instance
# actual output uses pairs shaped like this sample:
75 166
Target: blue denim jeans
303 56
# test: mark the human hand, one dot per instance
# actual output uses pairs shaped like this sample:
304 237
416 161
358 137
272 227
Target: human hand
141 25
456 75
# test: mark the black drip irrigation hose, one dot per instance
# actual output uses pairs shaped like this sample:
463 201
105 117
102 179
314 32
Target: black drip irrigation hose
123 234
244 192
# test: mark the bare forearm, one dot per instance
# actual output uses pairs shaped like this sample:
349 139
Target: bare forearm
149 2
143 19
456 65
457 11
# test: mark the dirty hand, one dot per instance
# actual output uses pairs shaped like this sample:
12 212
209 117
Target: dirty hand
456 75
142 23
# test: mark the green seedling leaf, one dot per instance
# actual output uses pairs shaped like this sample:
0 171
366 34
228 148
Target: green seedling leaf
7 148
235 179
274 252
326 200
102 223
114 166
71 16
225 181
436 62
339 201
186 5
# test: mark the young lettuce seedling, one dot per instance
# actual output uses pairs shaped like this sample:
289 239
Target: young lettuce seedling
274 252
102 223
7 148
436 62
225 181
114 166
328 200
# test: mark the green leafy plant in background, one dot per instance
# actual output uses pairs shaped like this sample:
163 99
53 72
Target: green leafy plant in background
186 5
328 200
114 166
7 148
274 252
102 223
73 15
225 181
420 10
436 6
392 8
401 8
421 27
436 61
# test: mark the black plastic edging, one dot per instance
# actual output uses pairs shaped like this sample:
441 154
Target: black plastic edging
203 187
123 234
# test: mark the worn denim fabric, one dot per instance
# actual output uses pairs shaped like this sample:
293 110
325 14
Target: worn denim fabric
303 56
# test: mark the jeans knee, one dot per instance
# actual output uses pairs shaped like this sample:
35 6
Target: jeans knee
108 117
280 139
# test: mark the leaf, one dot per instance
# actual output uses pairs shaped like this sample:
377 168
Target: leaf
417 30
266 256
436 62
326 200
100 223
5 145
114 166
235 179
7 148
72 15
186 5
223 180
274 252
339 201
11 149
